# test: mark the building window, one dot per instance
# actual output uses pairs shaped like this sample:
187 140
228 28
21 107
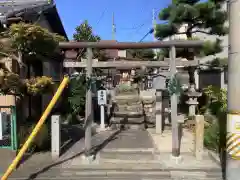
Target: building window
225 75
53 70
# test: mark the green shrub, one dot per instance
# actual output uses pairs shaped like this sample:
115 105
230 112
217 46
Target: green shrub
40 143
216 100
77 93
212 136
215 110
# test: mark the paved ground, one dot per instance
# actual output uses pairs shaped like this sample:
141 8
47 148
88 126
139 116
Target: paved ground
164 144
132 154
131 139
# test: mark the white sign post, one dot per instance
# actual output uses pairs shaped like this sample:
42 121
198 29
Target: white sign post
102 101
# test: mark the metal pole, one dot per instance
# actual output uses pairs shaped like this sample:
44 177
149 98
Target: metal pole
175 133
102 117
36 129
88 110
233 116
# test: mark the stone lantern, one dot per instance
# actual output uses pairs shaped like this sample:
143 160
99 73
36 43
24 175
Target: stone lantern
192 101
132 75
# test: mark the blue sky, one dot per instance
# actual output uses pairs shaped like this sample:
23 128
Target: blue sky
133 18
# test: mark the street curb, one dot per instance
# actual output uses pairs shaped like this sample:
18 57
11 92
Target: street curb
214 156
156 150
128 150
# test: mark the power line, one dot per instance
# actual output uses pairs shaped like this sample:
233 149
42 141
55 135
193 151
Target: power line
134 27
149 32
101 16
140 26
99 20
154 24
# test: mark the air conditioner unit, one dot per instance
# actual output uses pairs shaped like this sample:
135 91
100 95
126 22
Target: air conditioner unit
3 124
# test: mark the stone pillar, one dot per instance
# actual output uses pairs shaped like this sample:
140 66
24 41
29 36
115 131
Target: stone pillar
159 112
196 78
199 135
166 107
55 136
132 75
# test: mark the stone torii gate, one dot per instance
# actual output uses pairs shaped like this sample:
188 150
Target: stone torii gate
66 46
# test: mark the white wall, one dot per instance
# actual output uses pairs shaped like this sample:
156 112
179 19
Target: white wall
205 37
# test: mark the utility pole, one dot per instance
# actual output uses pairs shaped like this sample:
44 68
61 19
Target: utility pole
233 106
154 29
154 24
113 27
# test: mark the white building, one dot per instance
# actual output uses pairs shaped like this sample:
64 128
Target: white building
206 37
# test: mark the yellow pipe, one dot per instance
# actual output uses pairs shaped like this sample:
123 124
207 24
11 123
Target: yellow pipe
36 129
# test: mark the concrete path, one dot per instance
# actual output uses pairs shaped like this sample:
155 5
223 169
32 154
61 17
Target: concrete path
131 154
187 161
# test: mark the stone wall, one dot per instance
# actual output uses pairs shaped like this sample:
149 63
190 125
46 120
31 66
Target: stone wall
128 110
148 99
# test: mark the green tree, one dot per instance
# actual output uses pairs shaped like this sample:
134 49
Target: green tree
84 33
78 85
206 17
218 62
23 43
144 54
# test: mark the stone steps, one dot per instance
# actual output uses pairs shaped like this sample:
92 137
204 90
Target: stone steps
161 174
123 164
123 96
76 176
150 171
127 157
134 157
131 108
130 114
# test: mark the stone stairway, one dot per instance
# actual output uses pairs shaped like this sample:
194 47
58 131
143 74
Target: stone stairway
128 157
115 171
128 113
123 170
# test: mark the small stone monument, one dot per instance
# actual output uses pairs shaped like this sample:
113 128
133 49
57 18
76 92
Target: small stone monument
132 75
192 101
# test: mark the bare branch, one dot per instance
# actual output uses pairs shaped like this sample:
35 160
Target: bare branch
201 31
13 57
195 31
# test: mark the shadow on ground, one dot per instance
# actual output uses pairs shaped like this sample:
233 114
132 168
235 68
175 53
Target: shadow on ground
70 134
95 149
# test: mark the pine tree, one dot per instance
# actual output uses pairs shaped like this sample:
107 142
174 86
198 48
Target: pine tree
84 32
143 54
198 17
